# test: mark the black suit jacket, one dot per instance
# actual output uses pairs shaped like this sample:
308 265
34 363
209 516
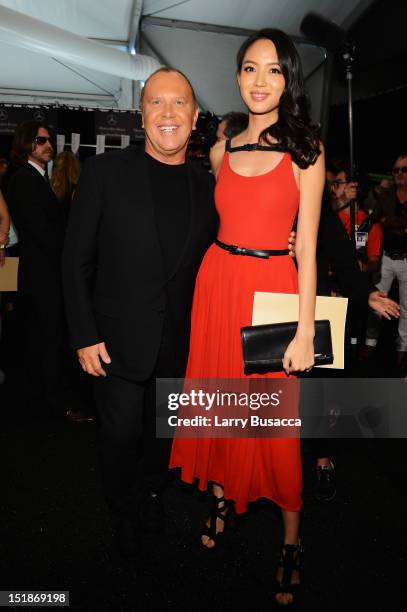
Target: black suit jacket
114 281
40 224
335 247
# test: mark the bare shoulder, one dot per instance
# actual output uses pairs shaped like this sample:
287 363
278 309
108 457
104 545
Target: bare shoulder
216 156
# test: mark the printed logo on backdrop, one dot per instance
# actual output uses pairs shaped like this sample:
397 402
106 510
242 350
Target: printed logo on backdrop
114 125
39 115
11 116
111 120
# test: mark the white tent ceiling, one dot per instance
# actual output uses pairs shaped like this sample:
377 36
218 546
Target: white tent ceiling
102 19
203 45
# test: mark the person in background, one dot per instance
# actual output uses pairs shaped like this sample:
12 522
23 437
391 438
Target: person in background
369 235
40 223
4 228
4 168
369 243
336 254
391 212
4 232
370 202
231 125
65 176
10 249
330 175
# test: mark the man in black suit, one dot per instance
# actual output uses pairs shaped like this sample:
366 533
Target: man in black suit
40 224
140 224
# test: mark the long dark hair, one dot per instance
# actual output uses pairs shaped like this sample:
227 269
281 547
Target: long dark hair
235 123
24 138
293 130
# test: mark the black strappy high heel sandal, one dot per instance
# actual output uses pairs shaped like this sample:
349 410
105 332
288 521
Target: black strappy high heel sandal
290 561
220 510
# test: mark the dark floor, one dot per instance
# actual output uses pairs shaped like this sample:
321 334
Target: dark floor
55 534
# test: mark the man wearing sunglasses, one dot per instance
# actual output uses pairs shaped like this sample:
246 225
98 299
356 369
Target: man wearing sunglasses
391 211
40 224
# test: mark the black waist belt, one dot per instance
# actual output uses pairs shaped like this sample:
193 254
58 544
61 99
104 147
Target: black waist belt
395 255
236 250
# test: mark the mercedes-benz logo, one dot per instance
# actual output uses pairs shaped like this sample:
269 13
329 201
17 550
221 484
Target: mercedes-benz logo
3 114
39 115
111 119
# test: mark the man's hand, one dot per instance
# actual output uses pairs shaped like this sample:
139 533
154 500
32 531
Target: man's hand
89 358
349 193
379 302
344 192
291 244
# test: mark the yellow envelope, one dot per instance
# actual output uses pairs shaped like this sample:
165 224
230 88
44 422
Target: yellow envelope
284 307
8 274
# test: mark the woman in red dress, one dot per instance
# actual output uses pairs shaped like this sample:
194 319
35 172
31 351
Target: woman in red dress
260 190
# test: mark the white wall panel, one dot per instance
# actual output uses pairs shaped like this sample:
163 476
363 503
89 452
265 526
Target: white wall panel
208 59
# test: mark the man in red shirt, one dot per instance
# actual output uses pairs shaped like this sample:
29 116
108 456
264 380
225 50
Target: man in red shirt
369 240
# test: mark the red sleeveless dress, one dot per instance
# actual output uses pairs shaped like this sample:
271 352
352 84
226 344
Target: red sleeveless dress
257 213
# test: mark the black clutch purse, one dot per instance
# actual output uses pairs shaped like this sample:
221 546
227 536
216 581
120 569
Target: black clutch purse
264 345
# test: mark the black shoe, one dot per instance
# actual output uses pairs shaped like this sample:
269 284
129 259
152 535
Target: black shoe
325 489
290 561
221 509
128 540
77 416
153 517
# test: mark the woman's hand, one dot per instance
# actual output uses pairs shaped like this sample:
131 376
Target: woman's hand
299 355
291 244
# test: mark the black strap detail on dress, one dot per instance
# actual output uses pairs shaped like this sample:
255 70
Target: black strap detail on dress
254 147
263 253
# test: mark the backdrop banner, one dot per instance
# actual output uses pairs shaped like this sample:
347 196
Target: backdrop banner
11 116
114 125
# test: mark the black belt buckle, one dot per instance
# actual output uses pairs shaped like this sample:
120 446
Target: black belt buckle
263 255
239 250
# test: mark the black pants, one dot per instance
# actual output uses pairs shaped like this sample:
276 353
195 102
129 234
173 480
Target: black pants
49 363
132 459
